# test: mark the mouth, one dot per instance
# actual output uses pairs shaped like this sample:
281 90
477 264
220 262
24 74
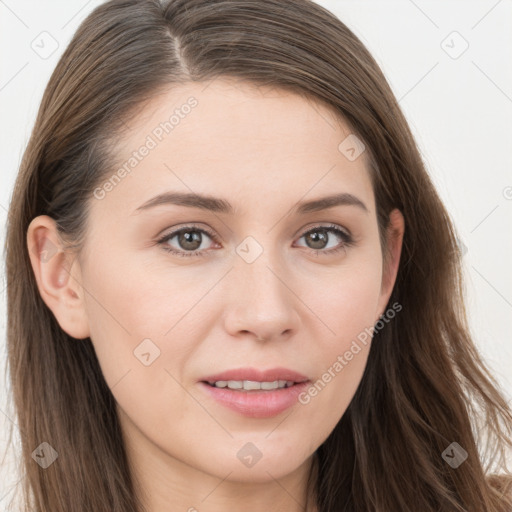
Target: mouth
254 378
251 385
255 393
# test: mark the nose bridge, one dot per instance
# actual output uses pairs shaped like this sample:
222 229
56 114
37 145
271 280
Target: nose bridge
261 299
259 265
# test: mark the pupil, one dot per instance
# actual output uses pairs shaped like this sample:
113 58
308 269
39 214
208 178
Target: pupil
322 239
194 239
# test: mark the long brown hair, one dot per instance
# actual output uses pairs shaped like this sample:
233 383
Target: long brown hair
425 385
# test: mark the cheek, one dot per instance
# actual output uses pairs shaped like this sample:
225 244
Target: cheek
347 309
142 365
346 302
134 322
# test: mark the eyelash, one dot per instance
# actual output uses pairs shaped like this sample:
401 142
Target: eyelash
348 241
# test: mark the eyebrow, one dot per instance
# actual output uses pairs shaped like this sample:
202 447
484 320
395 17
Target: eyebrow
218 205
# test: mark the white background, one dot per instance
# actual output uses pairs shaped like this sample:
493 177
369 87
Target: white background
460 110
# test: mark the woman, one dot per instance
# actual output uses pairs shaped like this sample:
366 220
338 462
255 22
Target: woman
231 282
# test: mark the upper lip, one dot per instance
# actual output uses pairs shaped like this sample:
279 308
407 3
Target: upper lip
254 374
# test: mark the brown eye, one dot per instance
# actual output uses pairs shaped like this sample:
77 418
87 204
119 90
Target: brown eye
188 241
319 237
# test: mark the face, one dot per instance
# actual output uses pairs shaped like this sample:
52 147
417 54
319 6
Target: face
256 282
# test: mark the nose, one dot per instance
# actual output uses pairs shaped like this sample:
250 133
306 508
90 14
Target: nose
261 301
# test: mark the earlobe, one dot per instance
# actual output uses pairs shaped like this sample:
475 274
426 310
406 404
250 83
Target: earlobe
57 275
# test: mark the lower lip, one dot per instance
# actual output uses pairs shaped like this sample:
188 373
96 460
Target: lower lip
257 403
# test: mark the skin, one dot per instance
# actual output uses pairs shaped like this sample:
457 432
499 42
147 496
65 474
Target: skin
263 150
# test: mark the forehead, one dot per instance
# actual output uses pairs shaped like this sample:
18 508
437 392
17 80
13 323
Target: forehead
239 139
234 109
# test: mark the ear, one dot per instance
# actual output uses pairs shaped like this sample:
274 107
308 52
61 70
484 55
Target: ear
395 235
57 274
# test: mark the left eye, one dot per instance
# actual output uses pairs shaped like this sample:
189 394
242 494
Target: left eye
318 236
190 239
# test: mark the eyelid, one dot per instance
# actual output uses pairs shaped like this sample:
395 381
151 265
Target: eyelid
190 226
323 225
302 231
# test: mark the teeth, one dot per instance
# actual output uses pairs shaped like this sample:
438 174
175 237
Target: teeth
249 385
